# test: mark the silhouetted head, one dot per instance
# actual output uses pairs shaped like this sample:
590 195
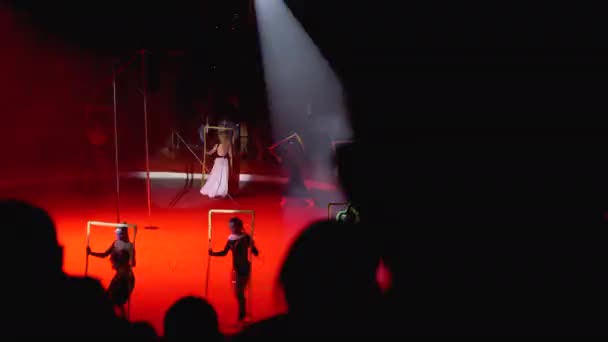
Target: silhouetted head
122 233
236 226
191 318
32 229
330 272
224 137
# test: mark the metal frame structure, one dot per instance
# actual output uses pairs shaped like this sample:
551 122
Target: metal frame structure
116 172
145 99
334 204
109 225
115 71
209 234
295 136
179 137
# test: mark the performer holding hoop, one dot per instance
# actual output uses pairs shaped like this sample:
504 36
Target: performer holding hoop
122 257
219 177
290 154
239 242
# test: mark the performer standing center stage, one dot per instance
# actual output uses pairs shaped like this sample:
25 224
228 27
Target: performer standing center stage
219 177
122 257
239 243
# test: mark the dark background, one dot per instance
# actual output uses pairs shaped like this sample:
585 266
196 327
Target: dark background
217 40
371 42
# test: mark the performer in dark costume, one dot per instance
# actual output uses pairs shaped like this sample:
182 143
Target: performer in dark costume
239 242
122 257
293 161
291 154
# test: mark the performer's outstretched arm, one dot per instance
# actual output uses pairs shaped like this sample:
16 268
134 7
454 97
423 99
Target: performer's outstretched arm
222 252
212 151
254 249
100 255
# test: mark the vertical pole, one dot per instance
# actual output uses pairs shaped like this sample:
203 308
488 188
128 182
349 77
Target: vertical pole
204 153
145 95
208 273
117 180
86 263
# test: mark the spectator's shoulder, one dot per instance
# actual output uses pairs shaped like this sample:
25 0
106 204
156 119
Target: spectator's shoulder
85 284
89 307
276 326
85 291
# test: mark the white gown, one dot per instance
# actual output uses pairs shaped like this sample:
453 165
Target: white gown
217 180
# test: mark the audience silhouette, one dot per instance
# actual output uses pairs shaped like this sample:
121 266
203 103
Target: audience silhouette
191 318
329 283
143 331
48 302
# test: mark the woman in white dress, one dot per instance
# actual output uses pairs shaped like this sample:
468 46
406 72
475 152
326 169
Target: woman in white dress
217 181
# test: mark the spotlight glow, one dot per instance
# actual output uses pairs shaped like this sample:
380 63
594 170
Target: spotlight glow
304 94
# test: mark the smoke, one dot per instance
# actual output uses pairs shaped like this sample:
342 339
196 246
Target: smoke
304 94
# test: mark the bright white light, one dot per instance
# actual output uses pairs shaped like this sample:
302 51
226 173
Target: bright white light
304 94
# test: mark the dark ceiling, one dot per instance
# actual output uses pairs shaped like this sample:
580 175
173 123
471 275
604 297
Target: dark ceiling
337 25
112 25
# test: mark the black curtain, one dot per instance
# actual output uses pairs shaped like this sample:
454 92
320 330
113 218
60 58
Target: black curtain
192 82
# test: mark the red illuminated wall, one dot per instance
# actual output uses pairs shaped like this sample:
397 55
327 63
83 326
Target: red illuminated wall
46 86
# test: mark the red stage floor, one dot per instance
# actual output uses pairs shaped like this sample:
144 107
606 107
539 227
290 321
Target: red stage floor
172 260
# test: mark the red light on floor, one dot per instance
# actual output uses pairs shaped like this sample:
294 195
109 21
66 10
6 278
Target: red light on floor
295 202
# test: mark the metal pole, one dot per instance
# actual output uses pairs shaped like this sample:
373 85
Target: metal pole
145 95
86 264
117 180
209 231
204 153
189 149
